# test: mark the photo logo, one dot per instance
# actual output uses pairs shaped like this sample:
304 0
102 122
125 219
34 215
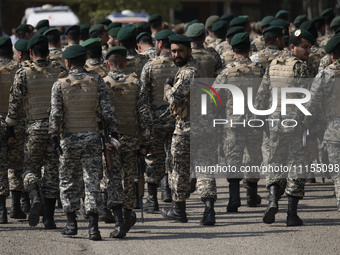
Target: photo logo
204 97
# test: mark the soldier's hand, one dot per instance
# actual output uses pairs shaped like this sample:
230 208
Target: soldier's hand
10 134
56 146
169 81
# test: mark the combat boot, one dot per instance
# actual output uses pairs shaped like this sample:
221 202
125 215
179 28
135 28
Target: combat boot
234 195
292 218
71 227
151 204
16 212
273 206
130 219
48 217
94 233
209 213
176 212
106 214
120 229
25 202
165 190
36 205
253 199
3 210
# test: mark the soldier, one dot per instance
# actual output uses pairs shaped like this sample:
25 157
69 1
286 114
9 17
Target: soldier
72 36
150 95
32 84
44 23
84 32
21 53
228 54
258 42
285 25
299 20
156 24
77 99
208 24
328 15
209 66
178 95
282 14
8 68
219 30
100 31
326 95
145 45
134 131
289 70
54 46
113 32
23 31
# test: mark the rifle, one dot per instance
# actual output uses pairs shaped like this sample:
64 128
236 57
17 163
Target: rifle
141 182
107 153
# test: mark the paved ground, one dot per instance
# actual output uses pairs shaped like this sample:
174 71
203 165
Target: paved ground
234 233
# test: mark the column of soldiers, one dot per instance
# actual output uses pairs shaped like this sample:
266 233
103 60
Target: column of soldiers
131 85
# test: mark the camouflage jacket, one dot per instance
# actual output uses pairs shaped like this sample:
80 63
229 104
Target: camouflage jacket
314 58
324 62
150 52
265 56
97 65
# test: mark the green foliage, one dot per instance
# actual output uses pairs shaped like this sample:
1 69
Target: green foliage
99 9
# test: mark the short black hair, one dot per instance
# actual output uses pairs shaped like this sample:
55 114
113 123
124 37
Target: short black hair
21 34
270 39
198 38
6 52
129 44
166 44
40 50
295 40
96 34
74 34
78 61
53 37
242 48
155 24
94 52
221 33
117 61
146 39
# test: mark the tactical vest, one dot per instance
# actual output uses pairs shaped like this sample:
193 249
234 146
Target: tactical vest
281 74
265 58
100 69
80 103
228 57
123 94
332 107
135 65
207 63
244 76
162 68
57 58
39 84
7 73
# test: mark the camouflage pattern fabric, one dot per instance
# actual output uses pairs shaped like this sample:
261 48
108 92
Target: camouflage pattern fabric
150 52
324 62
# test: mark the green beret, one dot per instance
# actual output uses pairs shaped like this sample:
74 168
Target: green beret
5 42
43 30
21 45
22 27
180 39
74 51
116 50
50 30
42 23
281 14
266 20
227 17
99 28
105 22
114 31
235 30
142 34
164 34
190 23
300 32
75 27
84 28
332 43
37 39
219 25
143 27
196 30
92 43
238 21
319 20
127 33
155 17
310 27
114 24
273 30
210 21
299 20
240 38
279 23
327 12
335 22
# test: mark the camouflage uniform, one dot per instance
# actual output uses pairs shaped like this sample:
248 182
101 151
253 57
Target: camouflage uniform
208 67
209 40
37 150
81 162
178 97
135 62
265 56
222 47
324 62
285 143
56 55
150 96
150 52
258 43
96 65
325 95
314 58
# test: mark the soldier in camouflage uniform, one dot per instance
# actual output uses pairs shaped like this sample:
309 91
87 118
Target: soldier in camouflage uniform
324 62
208 24
145 45
325 95
72 36
156 24
227 55
32 84
78 99
288 70
8 67
21 53
54 46
219 30
150 94
328 16
100 31
178 95
259 42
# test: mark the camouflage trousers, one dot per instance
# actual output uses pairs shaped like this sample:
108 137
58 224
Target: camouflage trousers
37 154
158 161
4 187
333 149
80 171
286 150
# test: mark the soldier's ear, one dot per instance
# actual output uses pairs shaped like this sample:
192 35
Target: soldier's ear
291 47
107 63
